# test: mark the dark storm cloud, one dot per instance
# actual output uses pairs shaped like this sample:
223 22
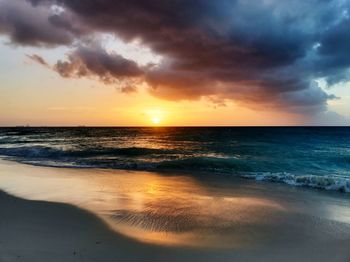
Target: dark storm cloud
334 53
27 25
257 53
87 61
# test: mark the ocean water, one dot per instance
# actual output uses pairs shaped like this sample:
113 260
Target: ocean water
317 157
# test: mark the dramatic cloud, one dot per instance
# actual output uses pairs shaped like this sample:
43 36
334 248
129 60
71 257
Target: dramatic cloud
262 54
97 63
28 25
86 61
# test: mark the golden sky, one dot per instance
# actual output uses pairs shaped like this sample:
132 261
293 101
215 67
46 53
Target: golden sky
38 96
205 64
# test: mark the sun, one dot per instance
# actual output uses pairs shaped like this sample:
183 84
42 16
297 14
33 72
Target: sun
156 120
154 116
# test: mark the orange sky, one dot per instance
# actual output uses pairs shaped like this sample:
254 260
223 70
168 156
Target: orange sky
40 97
175 63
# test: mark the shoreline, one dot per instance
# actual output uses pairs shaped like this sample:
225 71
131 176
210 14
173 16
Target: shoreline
337 184
174 218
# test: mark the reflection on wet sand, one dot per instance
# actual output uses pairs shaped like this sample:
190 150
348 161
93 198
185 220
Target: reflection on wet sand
178 210
162 209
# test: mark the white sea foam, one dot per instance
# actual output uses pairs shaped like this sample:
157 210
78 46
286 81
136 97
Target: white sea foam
336 183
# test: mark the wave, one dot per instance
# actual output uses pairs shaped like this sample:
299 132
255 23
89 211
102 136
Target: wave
237 167
221 164
335 183
127 158
31 152
50 152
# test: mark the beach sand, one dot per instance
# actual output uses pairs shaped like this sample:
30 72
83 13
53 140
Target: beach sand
58 214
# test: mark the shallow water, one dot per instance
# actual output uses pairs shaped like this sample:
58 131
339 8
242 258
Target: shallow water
303 156
172 209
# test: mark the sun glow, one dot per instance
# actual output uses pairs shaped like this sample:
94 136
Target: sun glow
155 116
156 120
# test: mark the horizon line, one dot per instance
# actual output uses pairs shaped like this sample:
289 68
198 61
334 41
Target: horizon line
160 126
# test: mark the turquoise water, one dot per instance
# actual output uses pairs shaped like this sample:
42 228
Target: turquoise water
301 156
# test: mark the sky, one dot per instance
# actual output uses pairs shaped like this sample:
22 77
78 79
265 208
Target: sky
177 63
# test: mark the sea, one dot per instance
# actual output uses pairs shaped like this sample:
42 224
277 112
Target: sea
315 157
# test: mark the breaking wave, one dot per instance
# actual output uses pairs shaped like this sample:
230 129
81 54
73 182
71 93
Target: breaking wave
50 152
139 158
341 184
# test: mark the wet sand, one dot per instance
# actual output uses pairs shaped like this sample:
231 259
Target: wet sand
108 215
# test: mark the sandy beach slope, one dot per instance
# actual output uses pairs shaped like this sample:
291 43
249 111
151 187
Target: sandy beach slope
285 227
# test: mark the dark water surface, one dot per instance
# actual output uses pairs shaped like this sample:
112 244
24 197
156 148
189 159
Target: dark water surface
303 156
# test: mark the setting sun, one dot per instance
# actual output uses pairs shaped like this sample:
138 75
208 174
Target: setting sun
156 120
155 116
